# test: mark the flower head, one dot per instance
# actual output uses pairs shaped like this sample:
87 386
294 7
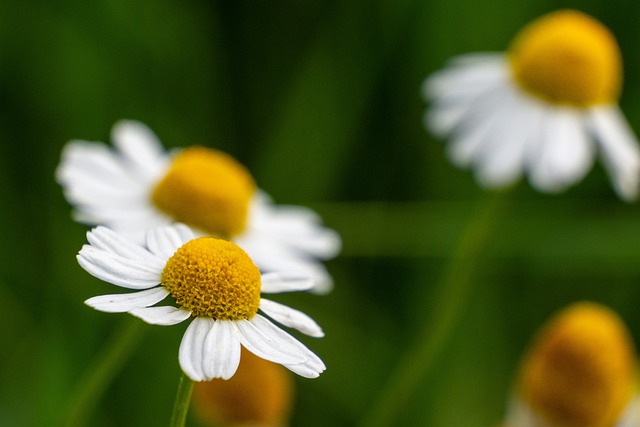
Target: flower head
137 186
579 371
546 108
211 280
259 394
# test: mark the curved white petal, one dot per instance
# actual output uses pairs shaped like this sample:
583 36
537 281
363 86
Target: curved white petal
108 240
619 147
140 147
164 315
118 270
164 241
191 354
221 351
564 153
291 318
307 369
272 283
120 303
307 364
259 338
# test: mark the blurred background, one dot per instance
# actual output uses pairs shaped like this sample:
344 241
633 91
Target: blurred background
321 100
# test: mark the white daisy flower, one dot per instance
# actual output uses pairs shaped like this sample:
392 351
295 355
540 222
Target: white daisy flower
580 371
138 186
546 108
211 280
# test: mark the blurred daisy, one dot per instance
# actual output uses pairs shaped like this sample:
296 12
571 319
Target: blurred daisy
259 394
211 280
138 186
546 108
579 372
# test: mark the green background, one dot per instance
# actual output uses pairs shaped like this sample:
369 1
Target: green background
321 100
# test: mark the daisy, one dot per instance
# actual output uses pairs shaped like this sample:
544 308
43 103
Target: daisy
580 371
210 280
546 108
138 185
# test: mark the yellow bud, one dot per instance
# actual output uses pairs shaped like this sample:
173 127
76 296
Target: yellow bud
567 57
259 394
580 370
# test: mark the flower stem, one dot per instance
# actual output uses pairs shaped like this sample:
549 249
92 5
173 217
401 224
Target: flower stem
102 371
454 289
181 405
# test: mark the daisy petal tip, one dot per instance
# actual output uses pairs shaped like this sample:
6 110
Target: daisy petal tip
93 303
317 334
89 302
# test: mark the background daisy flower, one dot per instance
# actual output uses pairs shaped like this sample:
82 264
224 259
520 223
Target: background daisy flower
211 280
580 371
138 186
547 107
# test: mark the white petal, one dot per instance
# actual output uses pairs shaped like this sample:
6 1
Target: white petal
120 303
221 351
463 78
114 243
620 150
291 318
140 147
310 367
503 157
296 227
164 315
272 283
307 369
564 152
454 90
118 270
631 414
83 160
191 348
274 258
164 241
475 130
277 346
257 335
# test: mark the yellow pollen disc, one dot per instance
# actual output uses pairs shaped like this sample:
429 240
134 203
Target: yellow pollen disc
567 57
208 190
260 393
213 278
580 370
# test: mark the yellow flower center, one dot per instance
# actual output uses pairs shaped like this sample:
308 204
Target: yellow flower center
580 370
206 189
567 57
213 278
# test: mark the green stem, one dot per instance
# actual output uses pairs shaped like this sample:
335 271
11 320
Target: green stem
102 371
455 289
181 405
